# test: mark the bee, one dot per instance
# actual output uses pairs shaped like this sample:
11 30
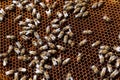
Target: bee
25 28
116 48
79 57
83 9
37 22
42 62
103 51
22 32
65 14
17 50
47 76
10 7
109 67
34 43
103 71
95 69
12 37
16 77
65 39
105 47
85 14
10 48
117 63
21 23
17 18
51 45
24 2
36 35
3 55
54 61
87 0
48 29
47 38
69 8
62 21
66 61
53 37
79 15
59 61
32 63
10 72
35 77
34 11
28 20
54 21
24 77
72 43
102 59
83 42
61 34
96 43
109 54
2 12
55 25
55 31
60 47
39 70
24 58
25 37
31 25
29 32
20 6
69 76
36 1
46 66
29 7
100 3
87 32
54 5
114 73
59 14
112 58
5 61
49 13
20 69
106 18
52 51
18 44
95 5
42 4
70 33
44 47
43 56
1 17
32 52
40 42
77 10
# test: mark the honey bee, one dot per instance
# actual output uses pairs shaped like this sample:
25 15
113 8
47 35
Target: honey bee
55 25
44 47
10 72
36 35
96 43
10 7
67 5
3 55
66 61
109 54
87 32
55 31
79 15
54 21
61 34
117 63
83 42
100 3
36 1
116 48
102 59
109 67
49 13
51 45
103 71
103 51
87 0
69 8
1 17
28 20
65 14
42 4
46 66
70 33
65 39
24 77
72 43
59 61
34 43
17 18
5 61
59 14
68 27
24 2
35 77
34 11
105 47
47 38
95 5
76 10
95 69
20 69
20 6
21 23
39 70
43 56
29 7
69 76
80 4
85 14
112 58
25 28
38 16
60 47
22 32
16 77
18 44
54 5
2 12
37 22
29 32
12 37
106 18
48 29
32 52
25 37
79 57
54 61
24 58
62 21
40 42
10 48
83 9
53 37
32 63
17 50
47 76
52 51
114 73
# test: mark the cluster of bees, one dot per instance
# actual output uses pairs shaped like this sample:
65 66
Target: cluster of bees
53 32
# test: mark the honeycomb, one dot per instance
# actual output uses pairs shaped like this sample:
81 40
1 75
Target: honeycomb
107 33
